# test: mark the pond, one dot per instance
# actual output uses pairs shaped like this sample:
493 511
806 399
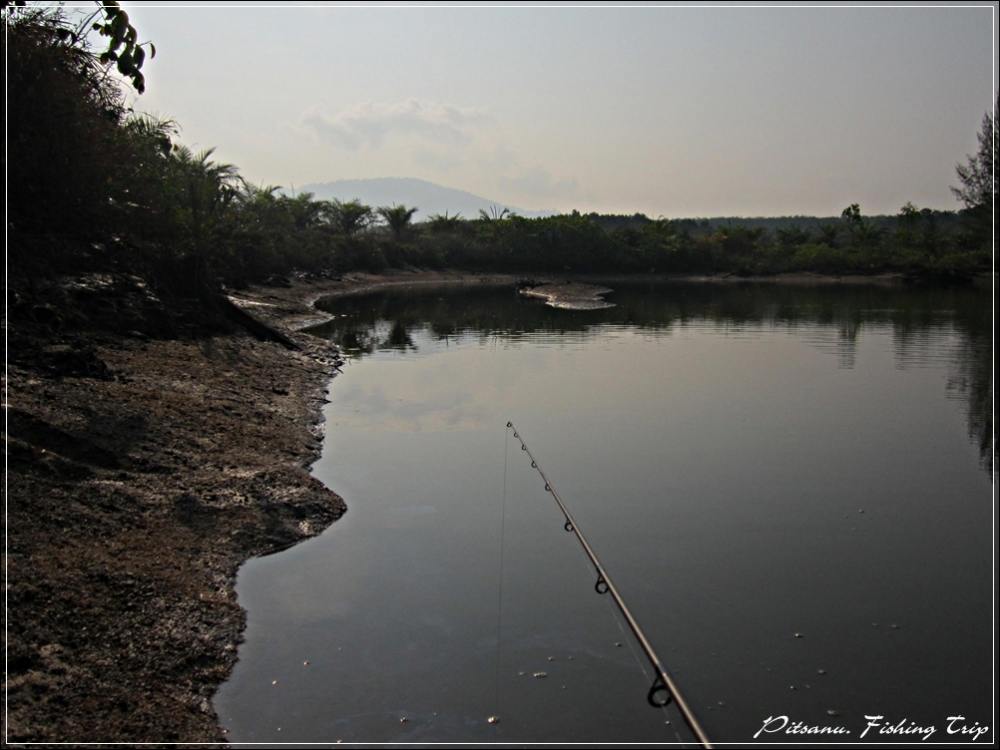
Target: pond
791 487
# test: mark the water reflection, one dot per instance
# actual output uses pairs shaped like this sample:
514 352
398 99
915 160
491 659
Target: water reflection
950 325
779 480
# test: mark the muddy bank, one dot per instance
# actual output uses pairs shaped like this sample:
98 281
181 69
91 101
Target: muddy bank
293 305
146 463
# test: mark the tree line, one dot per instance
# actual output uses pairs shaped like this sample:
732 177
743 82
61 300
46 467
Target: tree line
95 184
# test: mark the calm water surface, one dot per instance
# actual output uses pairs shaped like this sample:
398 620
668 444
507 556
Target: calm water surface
751 462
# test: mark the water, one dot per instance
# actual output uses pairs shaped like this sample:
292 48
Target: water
751 463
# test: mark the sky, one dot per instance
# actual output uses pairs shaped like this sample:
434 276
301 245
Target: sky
671 111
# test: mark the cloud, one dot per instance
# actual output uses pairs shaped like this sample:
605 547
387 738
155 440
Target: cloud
538 182
437 159
370 124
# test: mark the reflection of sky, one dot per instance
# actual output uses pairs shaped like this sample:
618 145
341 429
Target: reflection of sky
720 470
631 373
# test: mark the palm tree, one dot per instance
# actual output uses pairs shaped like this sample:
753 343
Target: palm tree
259 208
350 217
494 214
152 130
397 217
444 222
305 213
203 190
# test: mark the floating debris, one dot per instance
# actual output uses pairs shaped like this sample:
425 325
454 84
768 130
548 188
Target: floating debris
493 720
721 704
305 663
540 675
799 635
618 644
894 626
792 687
520 673
832 712
820 671
403 719
274 682
569 658
550 658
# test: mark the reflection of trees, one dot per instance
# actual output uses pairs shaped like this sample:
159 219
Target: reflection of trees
918 318
399 338
973 380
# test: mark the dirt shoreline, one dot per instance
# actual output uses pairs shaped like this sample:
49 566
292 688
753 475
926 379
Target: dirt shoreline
143 470
294 306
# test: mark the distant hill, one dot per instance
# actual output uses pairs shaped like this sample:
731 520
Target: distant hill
428 197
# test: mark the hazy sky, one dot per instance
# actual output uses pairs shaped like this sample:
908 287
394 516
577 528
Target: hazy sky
667 110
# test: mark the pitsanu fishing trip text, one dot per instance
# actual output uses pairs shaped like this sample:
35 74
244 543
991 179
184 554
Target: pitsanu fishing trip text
876 724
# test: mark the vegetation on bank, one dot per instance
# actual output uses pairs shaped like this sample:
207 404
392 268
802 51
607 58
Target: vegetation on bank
95 185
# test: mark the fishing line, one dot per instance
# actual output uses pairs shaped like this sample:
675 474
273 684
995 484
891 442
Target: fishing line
495 718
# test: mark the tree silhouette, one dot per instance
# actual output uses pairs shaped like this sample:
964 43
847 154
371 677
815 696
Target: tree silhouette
124 51
977 176
495 214
444 222
397 217
350 217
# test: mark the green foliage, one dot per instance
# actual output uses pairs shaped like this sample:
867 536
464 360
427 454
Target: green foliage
439 223
118 189
350 217
70 160
397 218
977 177
977 187
494 214
124 49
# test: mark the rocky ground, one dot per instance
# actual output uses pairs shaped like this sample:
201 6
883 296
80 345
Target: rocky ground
150 452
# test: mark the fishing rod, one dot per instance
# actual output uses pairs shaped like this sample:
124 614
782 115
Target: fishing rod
663 689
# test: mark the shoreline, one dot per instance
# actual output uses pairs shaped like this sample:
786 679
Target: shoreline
143 476
293 306
143 471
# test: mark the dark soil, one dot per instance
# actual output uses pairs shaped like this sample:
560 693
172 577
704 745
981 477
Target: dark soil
151 449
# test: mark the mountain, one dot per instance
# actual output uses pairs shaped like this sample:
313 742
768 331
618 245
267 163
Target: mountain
428 197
